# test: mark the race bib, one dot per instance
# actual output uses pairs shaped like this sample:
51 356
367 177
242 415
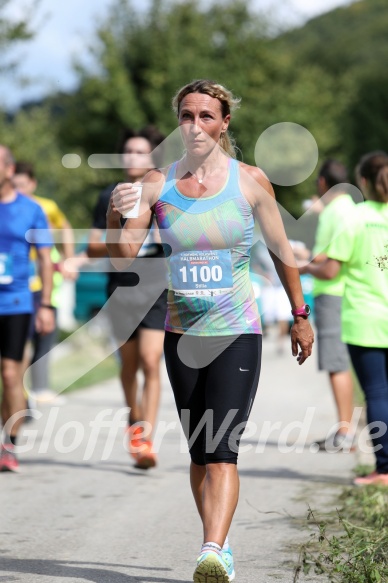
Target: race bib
201 273
6 269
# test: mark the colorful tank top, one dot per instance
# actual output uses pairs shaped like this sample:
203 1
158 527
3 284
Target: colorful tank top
208 243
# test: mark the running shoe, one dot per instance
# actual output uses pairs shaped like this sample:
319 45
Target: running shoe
145 458
227 555
211 567
8 459
134 438
140 449
373 478
336 442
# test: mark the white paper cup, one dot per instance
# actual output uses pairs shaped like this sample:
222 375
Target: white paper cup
134 212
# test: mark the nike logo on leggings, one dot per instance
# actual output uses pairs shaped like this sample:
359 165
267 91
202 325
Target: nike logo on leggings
244 369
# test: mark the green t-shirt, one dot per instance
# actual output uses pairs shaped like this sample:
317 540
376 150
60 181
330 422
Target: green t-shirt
365 300
330 220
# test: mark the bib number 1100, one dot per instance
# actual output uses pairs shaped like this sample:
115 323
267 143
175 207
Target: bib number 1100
202 274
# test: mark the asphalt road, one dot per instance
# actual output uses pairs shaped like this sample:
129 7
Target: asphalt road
80 512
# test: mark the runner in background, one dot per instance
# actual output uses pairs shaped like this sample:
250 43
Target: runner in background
25 182
140 346
18 214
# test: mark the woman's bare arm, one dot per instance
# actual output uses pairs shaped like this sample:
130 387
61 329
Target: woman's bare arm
259 193
123 243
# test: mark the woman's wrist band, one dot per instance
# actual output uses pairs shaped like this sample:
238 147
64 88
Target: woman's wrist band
49 306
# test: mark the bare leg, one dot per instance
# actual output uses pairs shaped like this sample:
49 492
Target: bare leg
215 489
129 353
197 481
150 351
13 399
342 387
220 497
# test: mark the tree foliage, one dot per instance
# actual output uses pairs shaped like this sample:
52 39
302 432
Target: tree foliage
144 58
344 40
31 136
366 118
327 76
14 30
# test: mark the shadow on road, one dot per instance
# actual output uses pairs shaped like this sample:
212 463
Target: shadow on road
282 473
103 466
72 569
286 474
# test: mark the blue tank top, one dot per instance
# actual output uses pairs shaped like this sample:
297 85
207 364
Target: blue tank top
210 292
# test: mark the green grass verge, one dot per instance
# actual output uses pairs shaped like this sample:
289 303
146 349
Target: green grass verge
83 351
105 370
349 545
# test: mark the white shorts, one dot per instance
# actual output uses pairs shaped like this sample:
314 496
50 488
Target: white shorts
275 305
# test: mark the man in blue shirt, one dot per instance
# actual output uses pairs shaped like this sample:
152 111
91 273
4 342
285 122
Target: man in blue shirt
18 215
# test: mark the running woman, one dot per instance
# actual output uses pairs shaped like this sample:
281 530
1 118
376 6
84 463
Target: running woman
205 205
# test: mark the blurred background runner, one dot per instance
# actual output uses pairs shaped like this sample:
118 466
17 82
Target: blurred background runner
18 214
25 182
140 345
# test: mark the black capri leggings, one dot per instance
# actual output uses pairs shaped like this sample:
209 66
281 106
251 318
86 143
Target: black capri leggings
214 380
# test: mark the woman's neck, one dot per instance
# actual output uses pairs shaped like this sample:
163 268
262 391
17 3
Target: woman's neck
204 166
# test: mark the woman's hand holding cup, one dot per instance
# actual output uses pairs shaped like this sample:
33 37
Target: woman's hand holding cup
125 200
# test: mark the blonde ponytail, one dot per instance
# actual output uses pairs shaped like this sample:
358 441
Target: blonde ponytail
228 144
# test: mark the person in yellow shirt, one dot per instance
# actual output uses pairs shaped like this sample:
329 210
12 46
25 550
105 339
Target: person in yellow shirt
26 183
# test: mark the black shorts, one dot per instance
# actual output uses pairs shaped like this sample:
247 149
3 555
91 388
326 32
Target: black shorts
128 312
13 335
214 380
